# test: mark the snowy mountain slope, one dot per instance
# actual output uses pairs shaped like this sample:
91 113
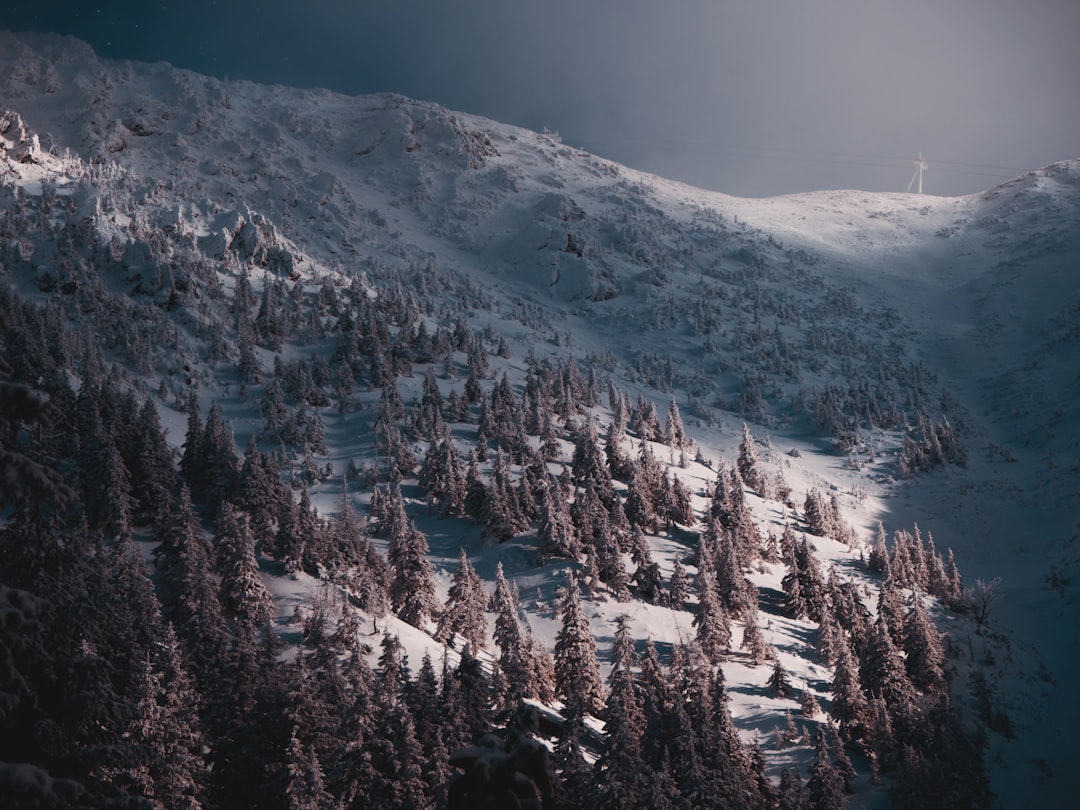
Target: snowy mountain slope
829 320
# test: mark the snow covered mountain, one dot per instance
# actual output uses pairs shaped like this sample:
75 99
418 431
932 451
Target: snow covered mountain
911 358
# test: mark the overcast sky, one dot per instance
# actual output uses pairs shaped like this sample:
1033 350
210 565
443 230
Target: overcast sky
750 97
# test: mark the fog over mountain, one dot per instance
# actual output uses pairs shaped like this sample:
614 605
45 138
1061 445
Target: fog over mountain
336 428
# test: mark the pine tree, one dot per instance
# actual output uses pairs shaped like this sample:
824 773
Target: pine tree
153 476
443 477
409 788
577 670
825 790
841 762
735 773
618 462
674 431
678 587
621 777
220 466
577 792
242 593
305 787
467 701
882 674
816 515
879 554
192 461
792 791
925 655
711 620
555 528
778 682
310 534
848 702
464 610
890 609
475 491
647 575
412 586
753 641
189 592
809 705
588 467
748 463
515 679
638 506
502 514
166 728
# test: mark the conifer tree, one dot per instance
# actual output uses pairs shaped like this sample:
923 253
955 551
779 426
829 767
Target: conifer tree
610 565
792 791
305 785
577 791
588 467
550 445
166 728
475 491
753 641
618 462
882 674
879 554
647 574
803 584
443 477
748 463
621 777
815 512
189 592
409 789
638 506
841 762
242 592
674 431
848 702
220 466
467 700
890 609
502 514
192 460
809 705
515 679
778 682
577 670
711 620
311 535
925 655
412 586
464 610
555 528
678 587
153 476
825 789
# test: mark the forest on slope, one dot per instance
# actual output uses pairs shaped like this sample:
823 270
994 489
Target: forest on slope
456 496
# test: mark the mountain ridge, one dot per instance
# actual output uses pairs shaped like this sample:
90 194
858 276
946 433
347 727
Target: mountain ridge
553 247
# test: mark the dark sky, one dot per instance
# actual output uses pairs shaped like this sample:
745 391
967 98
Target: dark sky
751 97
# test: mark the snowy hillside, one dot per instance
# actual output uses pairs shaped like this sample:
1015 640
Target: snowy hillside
434 332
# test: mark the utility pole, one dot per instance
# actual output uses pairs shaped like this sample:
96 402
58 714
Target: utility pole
920 167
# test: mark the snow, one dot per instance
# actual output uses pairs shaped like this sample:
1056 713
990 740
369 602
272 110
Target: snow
982 290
